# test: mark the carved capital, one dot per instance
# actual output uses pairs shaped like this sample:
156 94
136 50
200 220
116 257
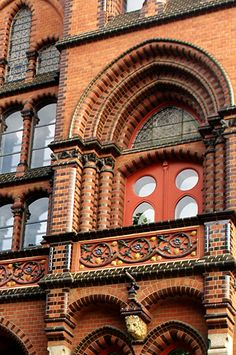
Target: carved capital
90 160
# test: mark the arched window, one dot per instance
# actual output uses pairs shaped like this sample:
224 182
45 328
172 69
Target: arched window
162 191
11 139
134 5
35 224
167 126
19 45
6 227
48 59
43 135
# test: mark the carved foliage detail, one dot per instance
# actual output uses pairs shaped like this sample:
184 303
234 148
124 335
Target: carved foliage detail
135 250
21 273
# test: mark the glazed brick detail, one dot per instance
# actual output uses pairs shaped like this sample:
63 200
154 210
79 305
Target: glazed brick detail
218 237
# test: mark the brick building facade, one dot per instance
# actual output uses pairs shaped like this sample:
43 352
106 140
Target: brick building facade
117 177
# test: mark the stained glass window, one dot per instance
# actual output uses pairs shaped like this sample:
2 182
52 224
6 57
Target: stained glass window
48 59
19 45
43 135
11 139
170 125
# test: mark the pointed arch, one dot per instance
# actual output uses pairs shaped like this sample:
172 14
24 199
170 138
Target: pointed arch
142 78
101 338
171 332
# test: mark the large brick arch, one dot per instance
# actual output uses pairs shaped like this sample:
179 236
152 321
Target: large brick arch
172 332
89 299
144 77
17 335
101 338
178 287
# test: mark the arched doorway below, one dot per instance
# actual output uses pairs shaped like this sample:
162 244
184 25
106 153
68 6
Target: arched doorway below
177 349
9 345
112 350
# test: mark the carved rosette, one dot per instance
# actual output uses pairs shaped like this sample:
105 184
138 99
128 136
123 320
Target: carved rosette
154 248
21 272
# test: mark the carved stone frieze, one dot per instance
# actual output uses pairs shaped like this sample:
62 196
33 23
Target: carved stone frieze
65 154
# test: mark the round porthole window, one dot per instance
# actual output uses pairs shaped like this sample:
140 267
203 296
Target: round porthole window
186 207
145 186
143 214
186 179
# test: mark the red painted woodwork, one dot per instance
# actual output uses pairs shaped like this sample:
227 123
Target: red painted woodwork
166 195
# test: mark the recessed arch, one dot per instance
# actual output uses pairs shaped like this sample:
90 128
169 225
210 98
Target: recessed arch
104 337
139 79
171 332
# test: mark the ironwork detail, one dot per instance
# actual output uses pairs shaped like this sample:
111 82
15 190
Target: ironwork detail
21 273
19 45
135 250
48 59
169 125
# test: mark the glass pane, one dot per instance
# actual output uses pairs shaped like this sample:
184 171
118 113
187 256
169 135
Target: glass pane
186 179
6 238
6 216
47 114
38 210
43 136
8 163
11 143
34 233
186 207
143 214
14 122
133 5
41 157
145 186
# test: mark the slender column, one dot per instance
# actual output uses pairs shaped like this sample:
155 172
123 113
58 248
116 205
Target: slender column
26 140
219 171
208 192
117 200
17 210
31 70
88 191
230 163
3 64
105 189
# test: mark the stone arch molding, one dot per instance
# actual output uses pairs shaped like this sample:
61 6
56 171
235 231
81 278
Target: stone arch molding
141 79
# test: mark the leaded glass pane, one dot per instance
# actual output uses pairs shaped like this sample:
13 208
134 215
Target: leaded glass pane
6 227
171 125
48 59
11 140
18 45
36 225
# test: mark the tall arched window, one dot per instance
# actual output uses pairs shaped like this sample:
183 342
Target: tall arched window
6 227
43 135
11 139
35 224
48 59
19 45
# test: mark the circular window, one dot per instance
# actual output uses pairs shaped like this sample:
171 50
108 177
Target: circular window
186 179
145 186
186 207
143 214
